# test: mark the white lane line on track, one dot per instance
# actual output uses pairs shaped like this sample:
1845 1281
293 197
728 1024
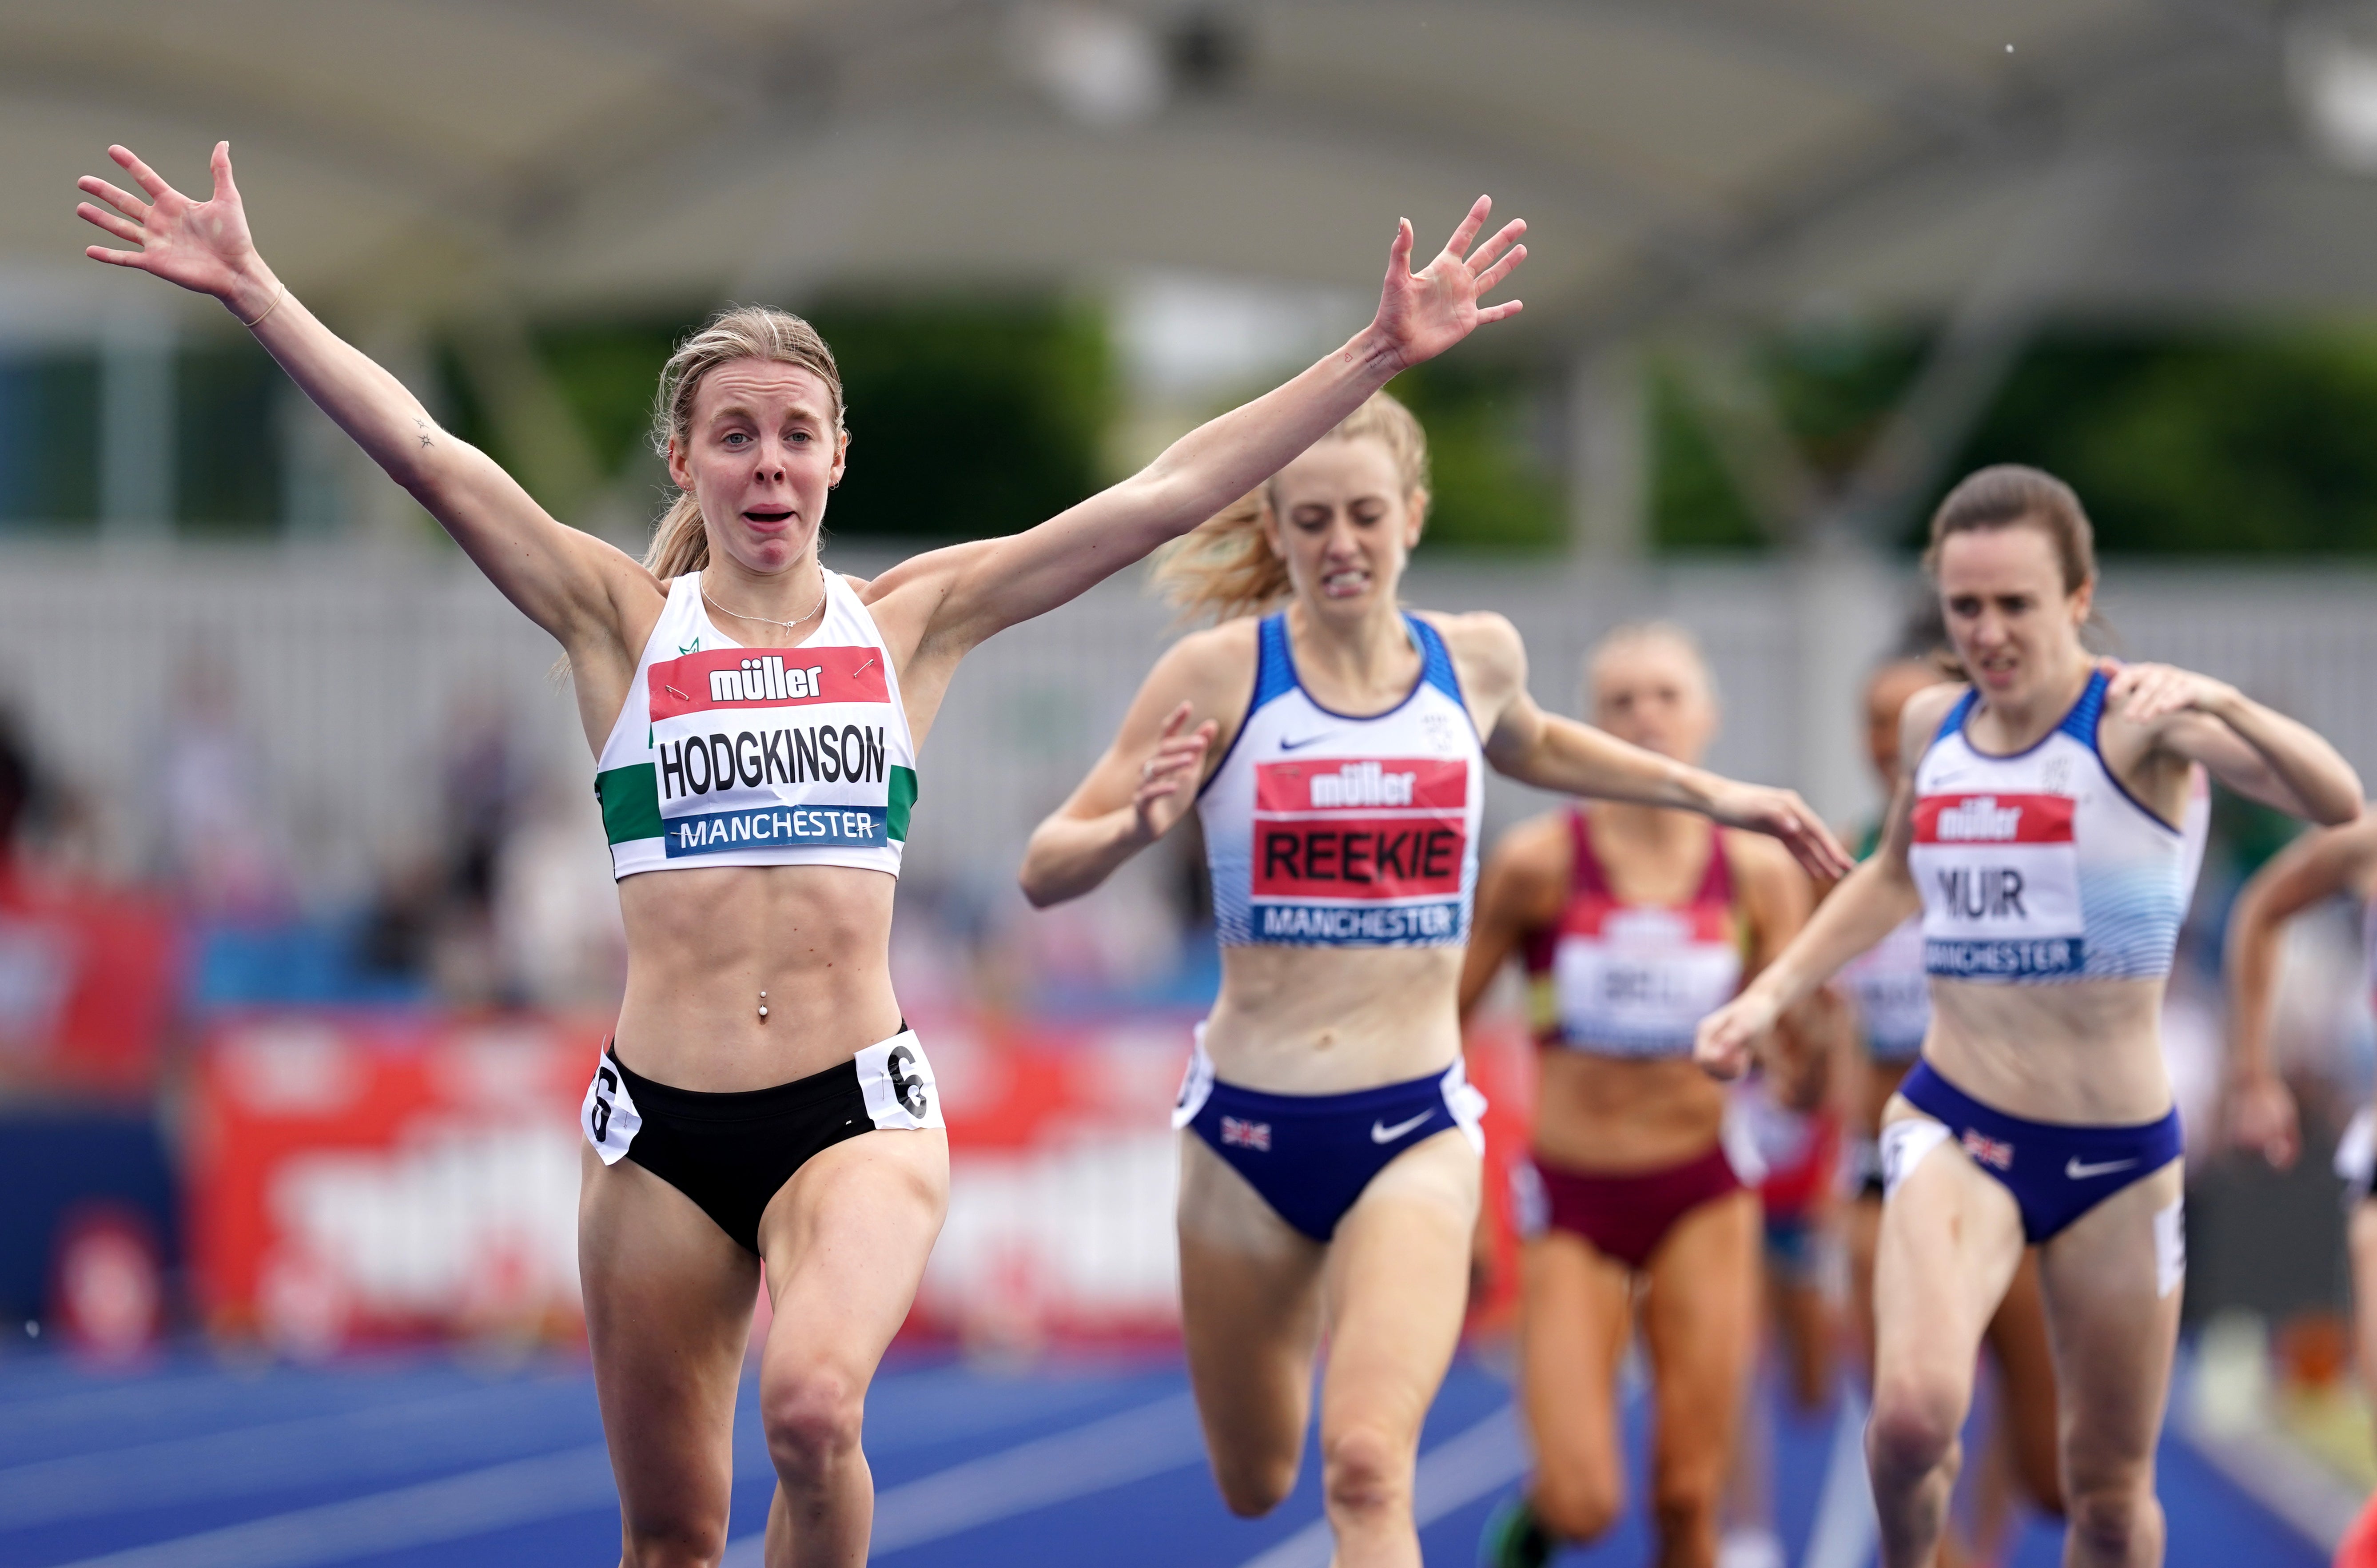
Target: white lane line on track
1845 1534
236 1461
472 1503
1111 1453
1452 1475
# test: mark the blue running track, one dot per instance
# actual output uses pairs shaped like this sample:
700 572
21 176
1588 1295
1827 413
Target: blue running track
201 1465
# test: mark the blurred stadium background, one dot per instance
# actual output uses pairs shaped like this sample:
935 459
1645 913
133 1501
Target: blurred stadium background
304 934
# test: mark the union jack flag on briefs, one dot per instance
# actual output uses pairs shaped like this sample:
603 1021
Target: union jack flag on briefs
1988 1151
1246 1134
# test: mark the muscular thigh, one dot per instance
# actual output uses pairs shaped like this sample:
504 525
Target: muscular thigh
2112 1291
846 1238
1397 1287
1700 1321
668 1311
1575 1311
1251 1312
1949 1240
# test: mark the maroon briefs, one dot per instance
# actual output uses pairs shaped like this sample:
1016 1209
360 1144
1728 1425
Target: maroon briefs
1624 1215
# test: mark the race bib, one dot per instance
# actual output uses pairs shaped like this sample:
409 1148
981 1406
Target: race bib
608 1115
1999 877
898 1082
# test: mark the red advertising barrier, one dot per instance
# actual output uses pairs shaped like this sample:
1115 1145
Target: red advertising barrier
354 1179
87 987
357 1178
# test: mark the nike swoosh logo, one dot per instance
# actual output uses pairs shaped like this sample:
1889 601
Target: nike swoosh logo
2078 1172
1382 1134
1287 744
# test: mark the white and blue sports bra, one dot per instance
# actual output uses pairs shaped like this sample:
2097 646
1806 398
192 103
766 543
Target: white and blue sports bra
1334 829
2039 868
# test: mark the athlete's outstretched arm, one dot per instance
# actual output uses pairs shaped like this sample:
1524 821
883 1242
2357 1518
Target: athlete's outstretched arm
2315 867
1150 776
559 577
1867 905
1552 752
985 587
1520 890
2252 749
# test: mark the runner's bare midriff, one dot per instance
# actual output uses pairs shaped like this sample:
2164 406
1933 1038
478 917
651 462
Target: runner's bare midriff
702 944
2086 1054
1596 1113
1323 1021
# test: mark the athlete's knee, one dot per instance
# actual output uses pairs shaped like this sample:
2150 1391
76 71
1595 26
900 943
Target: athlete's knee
1365 1471
2111 1522
1573 1504
1684 1499
672 1542
812 1418
1252 1486
1913 1426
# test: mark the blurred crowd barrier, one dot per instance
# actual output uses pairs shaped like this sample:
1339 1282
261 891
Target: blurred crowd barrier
365 1178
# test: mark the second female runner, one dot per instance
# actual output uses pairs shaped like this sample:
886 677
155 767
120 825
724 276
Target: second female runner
1334 745
1635 923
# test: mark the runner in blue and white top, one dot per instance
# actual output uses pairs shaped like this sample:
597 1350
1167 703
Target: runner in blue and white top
756 784
2037 830
1339 742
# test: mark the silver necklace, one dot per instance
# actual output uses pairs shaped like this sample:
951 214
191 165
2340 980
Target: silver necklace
763 620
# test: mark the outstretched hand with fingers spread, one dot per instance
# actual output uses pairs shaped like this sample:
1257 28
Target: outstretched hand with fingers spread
1167 778
1424 313
203 245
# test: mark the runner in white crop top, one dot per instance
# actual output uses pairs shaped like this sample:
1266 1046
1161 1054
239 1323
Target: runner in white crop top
755 795
1326 1127
2039 837
1331 830
728 755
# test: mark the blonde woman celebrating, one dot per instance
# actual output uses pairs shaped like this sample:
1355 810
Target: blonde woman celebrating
2037 828
1334 746
756 719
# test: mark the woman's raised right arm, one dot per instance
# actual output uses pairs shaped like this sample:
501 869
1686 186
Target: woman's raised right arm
560 577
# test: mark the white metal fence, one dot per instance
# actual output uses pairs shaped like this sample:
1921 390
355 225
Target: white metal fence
350 666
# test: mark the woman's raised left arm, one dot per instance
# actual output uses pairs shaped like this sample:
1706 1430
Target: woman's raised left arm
2252 749
979 589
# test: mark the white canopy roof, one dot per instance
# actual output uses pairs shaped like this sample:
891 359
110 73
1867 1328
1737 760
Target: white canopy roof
1754 155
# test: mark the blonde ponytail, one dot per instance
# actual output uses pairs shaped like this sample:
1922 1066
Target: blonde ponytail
680 543
1225 566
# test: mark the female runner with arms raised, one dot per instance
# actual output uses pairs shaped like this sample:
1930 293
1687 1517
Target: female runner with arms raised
1330 1177
2037 827
770 769
1634 923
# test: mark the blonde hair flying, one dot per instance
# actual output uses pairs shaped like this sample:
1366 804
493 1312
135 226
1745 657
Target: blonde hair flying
1226 567
744 331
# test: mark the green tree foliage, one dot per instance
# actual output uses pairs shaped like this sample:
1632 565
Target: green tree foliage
1494 490
2235 442
2201 444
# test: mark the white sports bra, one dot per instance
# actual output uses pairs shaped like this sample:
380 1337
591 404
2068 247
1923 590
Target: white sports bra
724 755
1331 830
2039 868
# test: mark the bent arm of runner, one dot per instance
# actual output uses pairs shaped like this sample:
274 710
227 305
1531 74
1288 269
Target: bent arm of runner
2318 866
1556 753
1519 892
1867 905
981 588
560 577
2254 749
1150 776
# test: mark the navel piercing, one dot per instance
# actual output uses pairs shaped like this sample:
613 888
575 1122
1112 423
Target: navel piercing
763 1006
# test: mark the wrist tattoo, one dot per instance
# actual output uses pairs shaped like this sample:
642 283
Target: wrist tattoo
424 427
